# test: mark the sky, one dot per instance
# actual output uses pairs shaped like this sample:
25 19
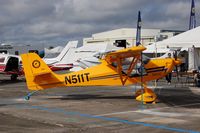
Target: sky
54 22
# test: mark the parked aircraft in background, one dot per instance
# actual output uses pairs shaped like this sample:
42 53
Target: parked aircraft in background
10 65
86 55
92 60
117 68
60 62
52 52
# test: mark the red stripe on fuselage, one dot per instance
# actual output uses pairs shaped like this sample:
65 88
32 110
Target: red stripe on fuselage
2 68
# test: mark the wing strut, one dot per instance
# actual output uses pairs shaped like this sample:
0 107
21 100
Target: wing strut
131 67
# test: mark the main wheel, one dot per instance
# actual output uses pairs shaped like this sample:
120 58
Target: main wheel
14 77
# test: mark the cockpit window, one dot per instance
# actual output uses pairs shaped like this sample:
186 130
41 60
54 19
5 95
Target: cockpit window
138 68
145 59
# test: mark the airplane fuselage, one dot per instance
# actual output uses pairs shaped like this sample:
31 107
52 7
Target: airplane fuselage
104 74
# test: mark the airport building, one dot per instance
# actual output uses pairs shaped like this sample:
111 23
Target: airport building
20 49
127 36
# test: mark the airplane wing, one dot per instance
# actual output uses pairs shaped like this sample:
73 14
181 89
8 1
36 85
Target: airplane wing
124 53
116 59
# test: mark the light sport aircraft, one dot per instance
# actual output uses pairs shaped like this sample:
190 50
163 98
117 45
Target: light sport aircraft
117 68
10 65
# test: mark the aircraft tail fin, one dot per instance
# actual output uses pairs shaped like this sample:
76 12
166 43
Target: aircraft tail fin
70 44
38 75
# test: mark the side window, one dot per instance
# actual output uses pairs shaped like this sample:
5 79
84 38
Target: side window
2 59
120 43
136 71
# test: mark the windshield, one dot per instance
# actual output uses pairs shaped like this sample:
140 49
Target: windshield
2 59
138 69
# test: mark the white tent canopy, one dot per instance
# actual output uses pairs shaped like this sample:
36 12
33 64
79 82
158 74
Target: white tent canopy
153 49
187 39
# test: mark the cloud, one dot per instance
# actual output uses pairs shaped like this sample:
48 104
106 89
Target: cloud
56 21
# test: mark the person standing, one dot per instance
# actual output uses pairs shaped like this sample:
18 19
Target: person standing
169 75
183 63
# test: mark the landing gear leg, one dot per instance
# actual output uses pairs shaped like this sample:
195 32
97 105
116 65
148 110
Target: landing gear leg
146 95
13 77
27 97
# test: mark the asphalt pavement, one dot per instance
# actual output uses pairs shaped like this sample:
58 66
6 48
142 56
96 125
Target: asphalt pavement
99 109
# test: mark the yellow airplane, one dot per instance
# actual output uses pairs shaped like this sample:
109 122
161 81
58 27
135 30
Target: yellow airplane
116 68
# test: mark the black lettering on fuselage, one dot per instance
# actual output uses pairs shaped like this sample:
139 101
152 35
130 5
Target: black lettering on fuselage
74 79
82 77
87 76
68 80
79 78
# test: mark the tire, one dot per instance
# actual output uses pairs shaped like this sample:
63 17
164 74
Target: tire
13 77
